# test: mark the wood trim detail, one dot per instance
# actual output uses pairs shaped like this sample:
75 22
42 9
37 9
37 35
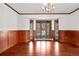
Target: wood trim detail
74 11
12 8
42 13
23 35
7 39
69 36
39 13
10 38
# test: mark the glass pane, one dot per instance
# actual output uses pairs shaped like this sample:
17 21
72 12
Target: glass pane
31 30
38 30
43 30
48 29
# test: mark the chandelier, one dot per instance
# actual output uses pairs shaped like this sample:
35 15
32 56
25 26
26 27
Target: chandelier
48 7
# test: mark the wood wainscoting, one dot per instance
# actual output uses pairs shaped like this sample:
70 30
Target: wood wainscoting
69 36
23 35
11 37
7 39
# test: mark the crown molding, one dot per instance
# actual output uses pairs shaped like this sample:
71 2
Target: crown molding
74 11
42 13
11 8
39 13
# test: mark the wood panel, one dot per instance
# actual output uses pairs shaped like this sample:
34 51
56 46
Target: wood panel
69 36
7 39
12 37
3 40
27 36
23 35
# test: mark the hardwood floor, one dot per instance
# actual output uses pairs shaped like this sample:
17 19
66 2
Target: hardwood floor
42 48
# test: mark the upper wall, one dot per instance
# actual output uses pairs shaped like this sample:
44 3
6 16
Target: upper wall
8 18
66 22
70 22
75 20
24 19
23 23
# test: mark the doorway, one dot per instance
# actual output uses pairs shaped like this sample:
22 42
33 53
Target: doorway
43 30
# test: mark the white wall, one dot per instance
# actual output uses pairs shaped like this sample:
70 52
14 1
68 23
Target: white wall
70 22
66 22
8 18
23 23
26 18
74 24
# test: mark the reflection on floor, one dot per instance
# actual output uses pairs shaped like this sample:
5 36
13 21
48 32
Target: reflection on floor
42 48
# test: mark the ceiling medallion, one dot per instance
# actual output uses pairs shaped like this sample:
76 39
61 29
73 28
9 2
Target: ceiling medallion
48 7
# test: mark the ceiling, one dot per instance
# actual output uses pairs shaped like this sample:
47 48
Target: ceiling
37 7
